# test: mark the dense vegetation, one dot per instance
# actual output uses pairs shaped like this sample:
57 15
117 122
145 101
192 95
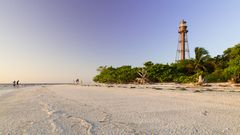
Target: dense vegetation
225 67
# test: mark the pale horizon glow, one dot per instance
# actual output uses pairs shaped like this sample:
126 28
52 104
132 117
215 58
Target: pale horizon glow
57 41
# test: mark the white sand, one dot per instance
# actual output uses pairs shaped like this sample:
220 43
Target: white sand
73 110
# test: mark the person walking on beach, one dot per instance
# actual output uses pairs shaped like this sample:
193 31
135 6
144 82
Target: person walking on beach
14 83
77 81
17 82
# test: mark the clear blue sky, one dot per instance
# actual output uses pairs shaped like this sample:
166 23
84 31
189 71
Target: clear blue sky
59 40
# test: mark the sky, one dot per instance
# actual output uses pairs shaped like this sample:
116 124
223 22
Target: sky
61 40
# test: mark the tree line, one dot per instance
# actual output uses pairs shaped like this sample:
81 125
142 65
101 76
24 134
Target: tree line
221 68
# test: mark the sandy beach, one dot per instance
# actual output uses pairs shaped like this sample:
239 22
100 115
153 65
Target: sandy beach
72 110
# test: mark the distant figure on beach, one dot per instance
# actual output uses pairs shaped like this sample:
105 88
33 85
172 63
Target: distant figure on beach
17 82
77 81
14 83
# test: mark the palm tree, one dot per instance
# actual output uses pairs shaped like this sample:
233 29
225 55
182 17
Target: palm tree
101 68
201 56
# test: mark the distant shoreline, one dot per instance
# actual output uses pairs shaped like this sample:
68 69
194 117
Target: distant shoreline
218 87
36 83
8 86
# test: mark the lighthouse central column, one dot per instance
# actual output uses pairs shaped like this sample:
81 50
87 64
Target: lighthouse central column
183 46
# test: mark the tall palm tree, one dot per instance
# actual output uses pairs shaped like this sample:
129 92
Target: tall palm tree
201 56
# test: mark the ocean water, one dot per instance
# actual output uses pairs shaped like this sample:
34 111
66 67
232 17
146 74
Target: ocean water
6 86
10 86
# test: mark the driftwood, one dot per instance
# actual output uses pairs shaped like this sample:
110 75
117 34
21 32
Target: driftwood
143 77
201 80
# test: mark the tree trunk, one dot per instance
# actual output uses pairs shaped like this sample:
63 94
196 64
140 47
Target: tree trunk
200 80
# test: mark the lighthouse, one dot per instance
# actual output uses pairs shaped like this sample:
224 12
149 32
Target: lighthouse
183 49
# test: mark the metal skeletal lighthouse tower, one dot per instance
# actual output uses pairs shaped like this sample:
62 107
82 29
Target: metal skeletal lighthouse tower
183 49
